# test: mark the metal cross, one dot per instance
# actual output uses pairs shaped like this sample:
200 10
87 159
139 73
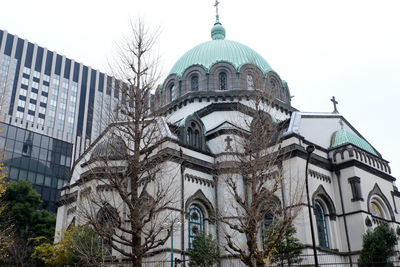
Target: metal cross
334 104
228 140
216 9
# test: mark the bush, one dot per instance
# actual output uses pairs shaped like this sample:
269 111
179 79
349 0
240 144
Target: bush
378 246
204 252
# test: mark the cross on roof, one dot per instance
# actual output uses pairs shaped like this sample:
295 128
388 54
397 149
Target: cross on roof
334 105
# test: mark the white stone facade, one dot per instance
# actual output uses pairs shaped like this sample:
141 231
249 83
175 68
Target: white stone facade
350 184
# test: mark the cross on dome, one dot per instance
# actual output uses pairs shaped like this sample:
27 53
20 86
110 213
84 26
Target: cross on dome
218 31
216 11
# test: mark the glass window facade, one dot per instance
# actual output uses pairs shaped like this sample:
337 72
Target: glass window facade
48 92
42 160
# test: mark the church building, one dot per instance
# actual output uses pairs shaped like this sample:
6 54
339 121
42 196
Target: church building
351 189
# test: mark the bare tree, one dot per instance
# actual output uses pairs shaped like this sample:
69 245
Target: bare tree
255 179
127 191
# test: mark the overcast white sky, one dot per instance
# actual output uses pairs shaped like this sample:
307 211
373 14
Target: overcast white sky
346 48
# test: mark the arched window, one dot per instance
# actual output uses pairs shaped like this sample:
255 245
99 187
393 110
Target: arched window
378 208
189 136
250 82
322 230
375 209
196 140
194 134
267 227
172 92
272 213
107 220
195 83
268 219
196 222
223 85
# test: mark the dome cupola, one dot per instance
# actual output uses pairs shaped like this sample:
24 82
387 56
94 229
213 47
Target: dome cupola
216 66
218 31
219 50
343 137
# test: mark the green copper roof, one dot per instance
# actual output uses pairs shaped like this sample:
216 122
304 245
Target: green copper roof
219 50
343 136
218 32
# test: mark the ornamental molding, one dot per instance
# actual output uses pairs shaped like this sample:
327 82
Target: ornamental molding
199 180
320 176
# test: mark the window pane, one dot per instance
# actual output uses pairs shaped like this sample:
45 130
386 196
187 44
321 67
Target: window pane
195 222
222 81
20 135
14 173
3 130
23 175
39 179
321 226
47 181
31 177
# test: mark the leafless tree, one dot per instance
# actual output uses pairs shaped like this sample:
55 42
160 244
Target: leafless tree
255 181
127 193
19 252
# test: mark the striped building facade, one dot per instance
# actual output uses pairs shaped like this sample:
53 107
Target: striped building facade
48 96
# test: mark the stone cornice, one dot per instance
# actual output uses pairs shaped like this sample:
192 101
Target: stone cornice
216 96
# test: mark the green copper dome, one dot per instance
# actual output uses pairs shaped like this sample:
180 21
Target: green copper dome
219 50
343 137
218 32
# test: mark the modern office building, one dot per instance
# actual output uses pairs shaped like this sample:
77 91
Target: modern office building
51 108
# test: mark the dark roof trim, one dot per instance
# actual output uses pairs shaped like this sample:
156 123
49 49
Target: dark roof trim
363 166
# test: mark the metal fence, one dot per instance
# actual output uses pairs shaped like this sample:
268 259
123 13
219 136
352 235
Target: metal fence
324 260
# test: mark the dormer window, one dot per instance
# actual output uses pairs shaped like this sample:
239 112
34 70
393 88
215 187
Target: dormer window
191 132
193 135
222 81
195 83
